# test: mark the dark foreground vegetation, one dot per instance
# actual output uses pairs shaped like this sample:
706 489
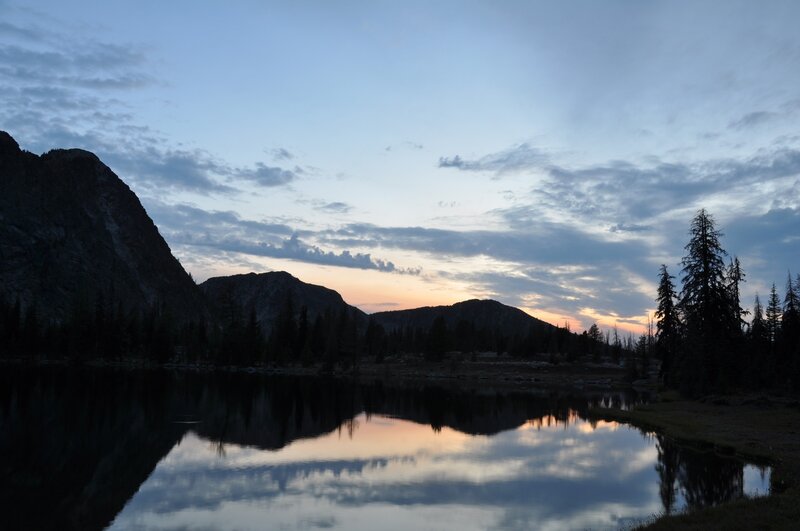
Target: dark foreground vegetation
703 337
101 327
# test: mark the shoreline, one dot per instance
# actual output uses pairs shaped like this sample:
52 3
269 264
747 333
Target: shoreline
752 427
522 375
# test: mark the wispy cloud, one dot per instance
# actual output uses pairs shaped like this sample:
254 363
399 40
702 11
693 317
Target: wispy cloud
627 195
281 154
544 243
268 176
187 225
753 119
91 65
335 207
523 157
415 146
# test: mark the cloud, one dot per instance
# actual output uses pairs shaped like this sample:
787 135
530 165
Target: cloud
15 31
140 156
523 157
639 193
627 195
186 225
767 246
547 265
753 119
92 65
162 170
335 207
281 154
547 243
405 145
268 176
610 290
622 227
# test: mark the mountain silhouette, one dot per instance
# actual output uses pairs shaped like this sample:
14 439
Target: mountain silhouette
483 314
71 231
268 293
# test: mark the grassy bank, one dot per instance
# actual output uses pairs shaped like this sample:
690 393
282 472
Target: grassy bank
757 427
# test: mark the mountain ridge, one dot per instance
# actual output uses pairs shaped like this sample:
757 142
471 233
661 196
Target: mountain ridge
73 231
488 313
267 294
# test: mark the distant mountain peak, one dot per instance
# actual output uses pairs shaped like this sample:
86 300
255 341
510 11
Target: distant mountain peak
267 293
482 313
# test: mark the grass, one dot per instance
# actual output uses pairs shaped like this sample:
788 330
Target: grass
756 427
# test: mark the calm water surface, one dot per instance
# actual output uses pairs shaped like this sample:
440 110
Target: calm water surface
90 449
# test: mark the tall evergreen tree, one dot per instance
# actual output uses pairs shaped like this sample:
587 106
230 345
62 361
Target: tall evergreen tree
773 317
735 277
790 319
759 367
791 303
667 326
790 332
705 305
595 338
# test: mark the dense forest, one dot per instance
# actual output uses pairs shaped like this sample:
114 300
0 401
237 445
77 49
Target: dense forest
102 328
703 336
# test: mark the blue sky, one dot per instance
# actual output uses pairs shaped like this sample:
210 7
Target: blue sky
546 154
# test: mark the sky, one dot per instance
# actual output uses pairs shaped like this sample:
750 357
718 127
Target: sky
549 155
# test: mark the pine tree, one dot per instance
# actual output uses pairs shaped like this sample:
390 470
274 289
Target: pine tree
616 350
757 325
773 317
704 294
735 277
790 332
667 326
759 366
705 305
595 337
790 319
791 303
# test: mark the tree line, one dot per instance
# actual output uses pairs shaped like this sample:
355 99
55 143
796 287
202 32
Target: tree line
101 327
704 338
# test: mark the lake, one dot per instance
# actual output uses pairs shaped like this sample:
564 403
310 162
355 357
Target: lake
97 448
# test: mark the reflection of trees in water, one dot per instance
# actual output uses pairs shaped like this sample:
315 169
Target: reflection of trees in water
351 426
270 412
704 478
667 469
81 442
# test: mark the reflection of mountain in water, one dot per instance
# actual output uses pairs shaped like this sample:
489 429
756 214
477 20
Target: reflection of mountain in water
77 444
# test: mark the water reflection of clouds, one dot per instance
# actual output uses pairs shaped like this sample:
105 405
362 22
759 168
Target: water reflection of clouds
398 473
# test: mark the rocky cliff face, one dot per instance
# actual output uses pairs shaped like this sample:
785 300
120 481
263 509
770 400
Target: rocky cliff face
267 295
71 230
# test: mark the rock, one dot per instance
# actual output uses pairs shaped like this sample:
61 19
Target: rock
71 231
